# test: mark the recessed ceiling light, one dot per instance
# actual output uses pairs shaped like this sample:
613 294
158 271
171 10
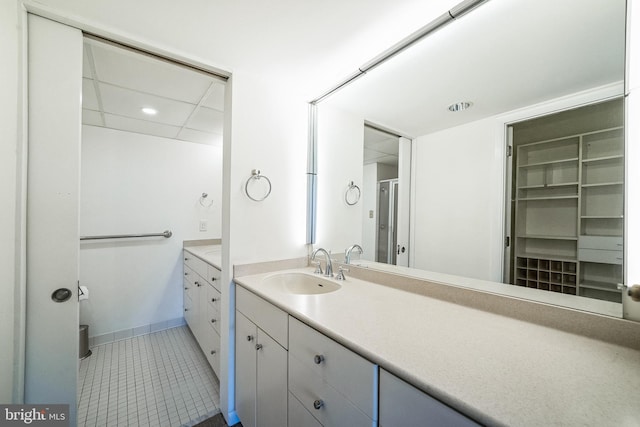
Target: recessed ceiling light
459 106
149 111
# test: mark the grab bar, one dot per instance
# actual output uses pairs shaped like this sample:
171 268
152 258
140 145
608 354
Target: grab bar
165 233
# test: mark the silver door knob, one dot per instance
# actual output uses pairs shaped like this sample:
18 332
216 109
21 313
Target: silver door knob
317 404
633 291
318 359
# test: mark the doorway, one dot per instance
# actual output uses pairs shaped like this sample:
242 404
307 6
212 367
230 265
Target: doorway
567 187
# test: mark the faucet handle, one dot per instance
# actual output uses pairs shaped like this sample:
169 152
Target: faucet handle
318 267
340 275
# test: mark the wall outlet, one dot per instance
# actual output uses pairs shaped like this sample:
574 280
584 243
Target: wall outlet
203 225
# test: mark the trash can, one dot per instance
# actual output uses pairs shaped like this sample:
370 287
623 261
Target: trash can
84 342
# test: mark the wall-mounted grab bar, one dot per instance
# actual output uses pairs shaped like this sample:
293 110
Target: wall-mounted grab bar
165 233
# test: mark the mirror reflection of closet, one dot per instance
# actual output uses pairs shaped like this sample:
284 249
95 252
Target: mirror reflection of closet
567 191
380 195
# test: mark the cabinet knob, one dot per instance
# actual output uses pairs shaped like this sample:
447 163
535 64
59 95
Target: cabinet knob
186 259
213 320
317 404
186 309
213 352
198 284
318 359
213 279
186 274
249 337
186 289
258 346
213 300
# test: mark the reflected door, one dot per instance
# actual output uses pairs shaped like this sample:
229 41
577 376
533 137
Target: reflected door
387 221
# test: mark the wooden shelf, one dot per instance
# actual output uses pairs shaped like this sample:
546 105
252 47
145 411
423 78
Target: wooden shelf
550 162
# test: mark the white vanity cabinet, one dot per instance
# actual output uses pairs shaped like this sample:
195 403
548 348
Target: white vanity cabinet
329 384
202 306
403 405
261 361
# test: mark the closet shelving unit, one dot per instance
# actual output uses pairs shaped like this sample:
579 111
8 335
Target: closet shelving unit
568 214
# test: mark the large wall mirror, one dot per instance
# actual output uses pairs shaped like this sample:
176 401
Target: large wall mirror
491 150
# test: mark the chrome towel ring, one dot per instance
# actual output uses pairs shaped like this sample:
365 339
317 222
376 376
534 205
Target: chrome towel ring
352 195
256 176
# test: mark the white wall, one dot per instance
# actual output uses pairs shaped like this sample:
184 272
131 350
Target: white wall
340 161
9 85
133 183
457 195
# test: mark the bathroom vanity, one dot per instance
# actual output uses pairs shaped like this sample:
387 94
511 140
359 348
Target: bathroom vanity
201 296
411 352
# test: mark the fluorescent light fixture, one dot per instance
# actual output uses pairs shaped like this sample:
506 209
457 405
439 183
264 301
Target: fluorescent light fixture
149 111
459 106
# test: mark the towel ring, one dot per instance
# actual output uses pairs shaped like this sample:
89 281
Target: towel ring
352 195
203 201
255 175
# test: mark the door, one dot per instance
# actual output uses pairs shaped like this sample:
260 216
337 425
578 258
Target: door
271 407
246 340
53 184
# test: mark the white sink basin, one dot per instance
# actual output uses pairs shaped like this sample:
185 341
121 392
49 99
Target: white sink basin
301 283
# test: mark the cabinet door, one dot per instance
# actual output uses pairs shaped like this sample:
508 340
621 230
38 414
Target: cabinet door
246 335
271 409
403 405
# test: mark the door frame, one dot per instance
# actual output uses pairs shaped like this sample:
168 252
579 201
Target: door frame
26 8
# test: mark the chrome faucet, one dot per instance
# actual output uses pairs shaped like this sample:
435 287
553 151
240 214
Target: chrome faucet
347 253
329 267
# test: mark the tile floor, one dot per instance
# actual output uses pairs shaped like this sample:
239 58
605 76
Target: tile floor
159 379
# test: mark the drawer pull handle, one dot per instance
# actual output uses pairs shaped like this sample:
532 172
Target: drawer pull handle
249 337
317 404
213 352
318 359
258 346
213 320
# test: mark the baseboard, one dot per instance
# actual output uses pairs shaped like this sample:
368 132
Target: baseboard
134 332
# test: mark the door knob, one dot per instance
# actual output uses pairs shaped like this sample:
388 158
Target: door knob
61 295
633 291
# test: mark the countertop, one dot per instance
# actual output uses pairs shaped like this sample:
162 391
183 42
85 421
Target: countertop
495 369
211 254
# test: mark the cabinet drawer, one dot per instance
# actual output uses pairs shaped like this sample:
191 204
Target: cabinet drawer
403 405
188 312
213 297
343 369
609 243
188 289
335 410
298 414
212 316
271 319
211 347
214 276
195 263
602 256
190 275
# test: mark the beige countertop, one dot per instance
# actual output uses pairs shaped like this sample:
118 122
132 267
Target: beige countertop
211 254
496 369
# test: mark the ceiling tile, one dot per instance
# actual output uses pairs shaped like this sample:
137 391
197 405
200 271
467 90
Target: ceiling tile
91 117
140 126
200 137
89 99
125 102
207 120
147 74
215 99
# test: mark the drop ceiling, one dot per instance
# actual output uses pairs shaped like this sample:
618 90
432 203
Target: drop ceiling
380 147
119 82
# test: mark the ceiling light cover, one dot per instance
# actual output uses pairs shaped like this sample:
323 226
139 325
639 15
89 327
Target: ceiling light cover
460 106
149 111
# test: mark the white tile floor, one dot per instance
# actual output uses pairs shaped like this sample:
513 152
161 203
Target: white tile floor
159 379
